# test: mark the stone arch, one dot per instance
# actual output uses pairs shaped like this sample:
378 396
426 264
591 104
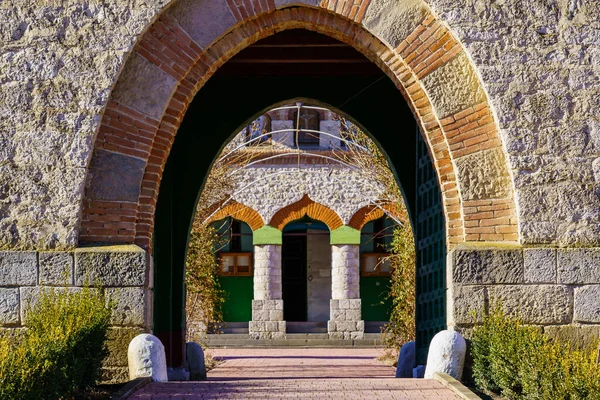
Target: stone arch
240 212
373 212
306 206
188 42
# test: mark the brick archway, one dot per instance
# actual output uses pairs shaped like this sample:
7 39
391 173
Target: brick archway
174 59
373 212
306 206
240 212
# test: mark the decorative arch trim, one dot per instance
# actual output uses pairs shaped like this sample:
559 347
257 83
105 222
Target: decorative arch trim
240 212
429 66
373 212
306 206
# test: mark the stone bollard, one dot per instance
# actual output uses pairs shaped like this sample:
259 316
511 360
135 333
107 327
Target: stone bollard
194 361
446 354
146 357
406 360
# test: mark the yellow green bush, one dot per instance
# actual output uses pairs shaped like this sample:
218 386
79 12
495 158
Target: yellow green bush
521 362
60 354
205 298
401 328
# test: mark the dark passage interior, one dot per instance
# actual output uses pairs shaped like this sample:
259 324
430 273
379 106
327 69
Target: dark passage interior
293 275
291 64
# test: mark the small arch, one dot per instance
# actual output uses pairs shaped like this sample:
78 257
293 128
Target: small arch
306 206
240 212
373 212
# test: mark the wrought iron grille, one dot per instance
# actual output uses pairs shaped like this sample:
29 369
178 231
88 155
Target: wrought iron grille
431 253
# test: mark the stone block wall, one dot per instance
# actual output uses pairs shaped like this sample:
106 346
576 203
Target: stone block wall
557 288
538 64
344 191
345 319
122 271
267 320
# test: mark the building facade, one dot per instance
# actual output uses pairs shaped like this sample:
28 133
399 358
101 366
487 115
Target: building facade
307 231
96 140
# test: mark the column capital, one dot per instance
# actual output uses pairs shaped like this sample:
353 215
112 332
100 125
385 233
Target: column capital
345 235
267 235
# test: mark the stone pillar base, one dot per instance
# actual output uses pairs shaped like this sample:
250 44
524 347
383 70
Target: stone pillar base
267 320
345 322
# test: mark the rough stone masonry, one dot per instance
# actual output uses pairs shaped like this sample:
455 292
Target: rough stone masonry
66 66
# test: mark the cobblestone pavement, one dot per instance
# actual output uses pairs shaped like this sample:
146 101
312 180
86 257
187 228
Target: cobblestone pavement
298 373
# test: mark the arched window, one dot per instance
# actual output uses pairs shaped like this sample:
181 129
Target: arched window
309 119
260 126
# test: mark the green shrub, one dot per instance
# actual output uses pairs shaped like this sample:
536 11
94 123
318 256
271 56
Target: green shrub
401 328
521 362
61 353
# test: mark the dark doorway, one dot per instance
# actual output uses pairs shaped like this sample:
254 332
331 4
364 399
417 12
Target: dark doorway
293 275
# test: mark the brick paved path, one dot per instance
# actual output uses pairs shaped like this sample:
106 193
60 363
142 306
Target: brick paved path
298 373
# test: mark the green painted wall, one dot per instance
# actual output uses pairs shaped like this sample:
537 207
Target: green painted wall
345 235
238 298
374 289
373 293
239 290
267 235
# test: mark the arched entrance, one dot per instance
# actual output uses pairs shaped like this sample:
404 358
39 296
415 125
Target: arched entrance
460 134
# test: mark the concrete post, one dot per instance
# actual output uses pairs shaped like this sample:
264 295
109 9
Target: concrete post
345 316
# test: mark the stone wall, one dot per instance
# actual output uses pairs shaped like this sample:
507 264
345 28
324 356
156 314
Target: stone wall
59 61
540 65
555 288
123 270
537 60
341 189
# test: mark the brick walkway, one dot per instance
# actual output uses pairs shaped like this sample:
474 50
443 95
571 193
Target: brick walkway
298 373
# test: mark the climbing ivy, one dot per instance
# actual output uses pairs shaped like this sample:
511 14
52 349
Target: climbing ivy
364 154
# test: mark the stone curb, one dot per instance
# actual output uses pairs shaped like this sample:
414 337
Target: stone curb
458 388
130 387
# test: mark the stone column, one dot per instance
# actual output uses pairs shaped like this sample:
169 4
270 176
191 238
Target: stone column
267 306
345 316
